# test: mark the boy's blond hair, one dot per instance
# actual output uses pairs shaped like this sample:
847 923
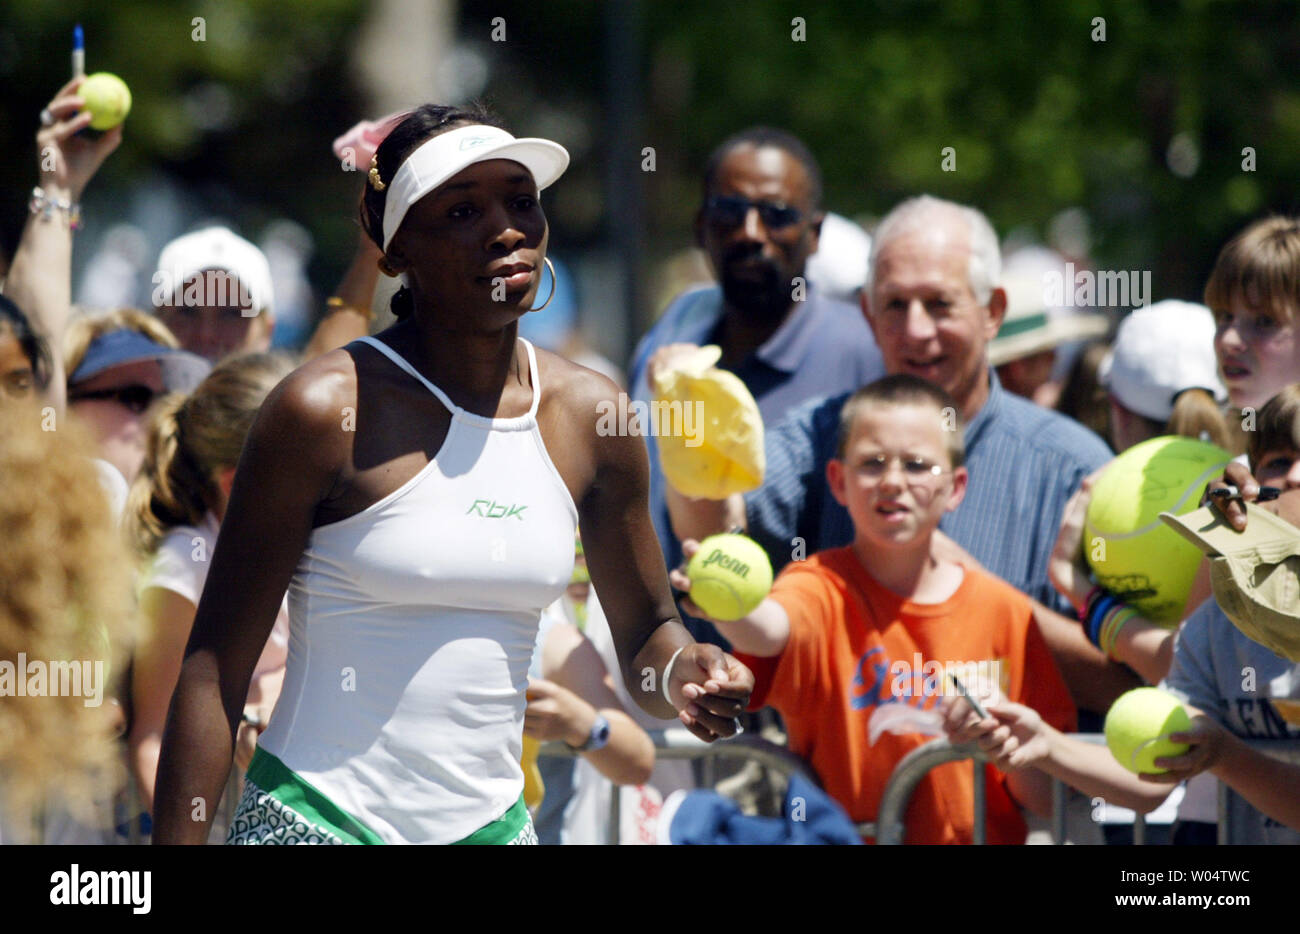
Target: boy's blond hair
904 389
1260 265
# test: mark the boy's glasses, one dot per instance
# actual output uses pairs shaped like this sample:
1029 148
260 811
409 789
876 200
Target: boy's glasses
917 470
730 211
135 397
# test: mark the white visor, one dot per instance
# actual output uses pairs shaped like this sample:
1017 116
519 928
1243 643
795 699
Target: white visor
445 155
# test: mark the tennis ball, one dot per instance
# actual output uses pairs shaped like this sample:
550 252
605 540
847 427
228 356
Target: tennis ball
107 98
1137 724
1133 554
730 575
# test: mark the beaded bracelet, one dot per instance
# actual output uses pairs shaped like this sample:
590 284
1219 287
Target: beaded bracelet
1097 612
1110 629
45 205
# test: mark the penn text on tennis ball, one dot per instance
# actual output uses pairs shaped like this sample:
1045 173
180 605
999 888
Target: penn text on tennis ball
1137 727
107 98
730 575
1133 554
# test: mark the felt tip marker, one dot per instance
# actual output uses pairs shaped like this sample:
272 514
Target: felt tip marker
975 705
78 52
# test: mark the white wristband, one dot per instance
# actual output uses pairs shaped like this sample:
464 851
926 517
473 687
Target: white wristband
668 670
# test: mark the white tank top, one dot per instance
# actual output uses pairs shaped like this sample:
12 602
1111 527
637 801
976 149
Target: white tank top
411 628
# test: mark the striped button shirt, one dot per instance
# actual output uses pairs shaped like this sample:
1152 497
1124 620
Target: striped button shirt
1024 461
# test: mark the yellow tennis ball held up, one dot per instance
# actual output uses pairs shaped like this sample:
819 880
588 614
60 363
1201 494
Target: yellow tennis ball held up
1138 726
730 575
1133 554
107 98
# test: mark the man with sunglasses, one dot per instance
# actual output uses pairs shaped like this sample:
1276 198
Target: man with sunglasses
759 222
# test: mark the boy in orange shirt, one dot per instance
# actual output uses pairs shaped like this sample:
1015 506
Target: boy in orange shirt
865 635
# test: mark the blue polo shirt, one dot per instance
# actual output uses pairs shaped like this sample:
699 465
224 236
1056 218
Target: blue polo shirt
824 348
1024 461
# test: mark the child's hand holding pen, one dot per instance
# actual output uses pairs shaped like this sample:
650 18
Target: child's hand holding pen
1012 735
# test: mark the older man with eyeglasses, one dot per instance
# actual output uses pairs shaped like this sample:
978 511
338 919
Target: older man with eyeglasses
933 303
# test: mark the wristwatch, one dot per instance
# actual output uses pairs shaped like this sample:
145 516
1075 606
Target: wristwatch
598 738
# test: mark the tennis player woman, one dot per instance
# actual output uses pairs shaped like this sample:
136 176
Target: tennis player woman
417 493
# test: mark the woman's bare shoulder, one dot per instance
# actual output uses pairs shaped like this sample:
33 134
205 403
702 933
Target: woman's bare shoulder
314 403
578 389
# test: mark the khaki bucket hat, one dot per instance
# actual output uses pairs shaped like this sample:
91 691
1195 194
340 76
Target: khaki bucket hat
1255 573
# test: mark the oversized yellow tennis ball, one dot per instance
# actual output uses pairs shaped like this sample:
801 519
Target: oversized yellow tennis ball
730 575
1137 724
1133 554
107 98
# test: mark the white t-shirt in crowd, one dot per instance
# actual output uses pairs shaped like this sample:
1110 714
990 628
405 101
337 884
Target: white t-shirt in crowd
180 565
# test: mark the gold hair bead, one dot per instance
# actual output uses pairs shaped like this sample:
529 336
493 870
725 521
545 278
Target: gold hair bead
376 182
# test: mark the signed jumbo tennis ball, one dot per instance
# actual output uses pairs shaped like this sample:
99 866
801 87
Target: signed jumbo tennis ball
1138 724
107 98
1133 554
730 575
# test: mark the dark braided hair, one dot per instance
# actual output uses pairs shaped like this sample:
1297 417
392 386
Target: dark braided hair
420 125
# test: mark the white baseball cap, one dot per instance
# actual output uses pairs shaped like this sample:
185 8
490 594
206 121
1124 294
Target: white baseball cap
439 158
839 267
1160 351
214 248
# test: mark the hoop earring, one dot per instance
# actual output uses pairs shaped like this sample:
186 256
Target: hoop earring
554 284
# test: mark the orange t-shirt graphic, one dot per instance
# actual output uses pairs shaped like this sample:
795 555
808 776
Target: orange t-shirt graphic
856 648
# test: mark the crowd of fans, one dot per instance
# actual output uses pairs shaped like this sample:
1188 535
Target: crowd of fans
121 432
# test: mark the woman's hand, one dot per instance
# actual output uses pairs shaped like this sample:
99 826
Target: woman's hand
1067 568
67 162
710 689
556 713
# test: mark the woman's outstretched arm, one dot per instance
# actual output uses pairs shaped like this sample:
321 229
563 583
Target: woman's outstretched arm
708 688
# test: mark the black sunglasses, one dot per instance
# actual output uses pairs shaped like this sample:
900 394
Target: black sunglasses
135 397
730 211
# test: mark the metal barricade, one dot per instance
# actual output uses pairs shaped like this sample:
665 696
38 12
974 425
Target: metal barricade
676 743
889 827
916 764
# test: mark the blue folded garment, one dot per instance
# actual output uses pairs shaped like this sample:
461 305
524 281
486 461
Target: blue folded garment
811 817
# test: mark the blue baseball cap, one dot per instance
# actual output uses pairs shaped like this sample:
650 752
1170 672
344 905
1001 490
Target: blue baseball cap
181 370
